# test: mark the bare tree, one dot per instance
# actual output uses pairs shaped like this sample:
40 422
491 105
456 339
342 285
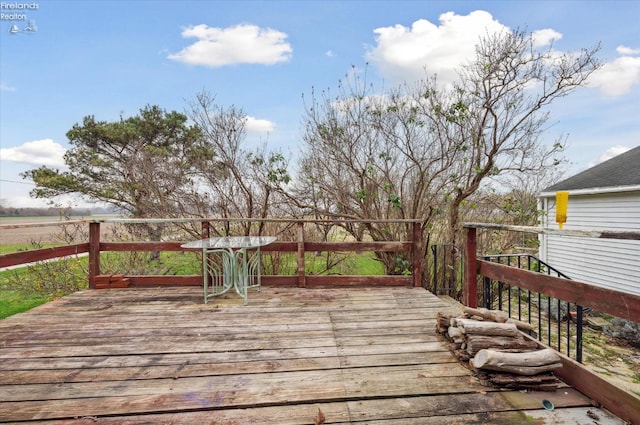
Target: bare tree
371 157
231 181
498 110
421 151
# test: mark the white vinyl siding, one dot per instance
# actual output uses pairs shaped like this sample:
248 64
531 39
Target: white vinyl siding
610 263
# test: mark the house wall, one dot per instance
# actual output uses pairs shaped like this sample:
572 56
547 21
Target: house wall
610 263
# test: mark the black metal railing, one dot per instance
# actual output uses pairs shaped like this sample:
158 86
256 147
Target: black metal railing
447 273
553 320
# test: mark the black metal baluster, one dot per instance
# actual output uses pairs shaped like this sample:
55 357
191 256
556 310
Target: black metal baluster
509 294
568 329
579 333
519 294
548 321
434 250
487 292
539 269
529 291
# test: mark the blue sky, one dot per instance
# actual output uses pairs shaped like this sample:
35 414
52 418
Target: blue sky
112 58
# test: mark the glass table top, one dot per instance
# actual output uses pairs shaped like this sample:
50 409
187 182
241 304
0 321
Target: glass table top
231 242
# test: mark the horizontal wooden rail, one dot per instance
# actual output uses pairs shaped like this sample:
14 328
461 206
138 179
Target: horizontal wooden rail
165 280
358 246
141 246
615 303
196 280
42 254
629 234
361 281
275 247
176 246
280 280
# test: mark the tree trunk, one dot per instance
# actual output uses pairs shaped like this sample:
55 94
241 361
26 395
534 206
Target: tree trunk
155 235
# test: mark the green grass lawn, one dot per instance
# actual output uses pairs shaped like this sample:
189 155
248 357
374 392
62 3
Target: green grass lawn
14 302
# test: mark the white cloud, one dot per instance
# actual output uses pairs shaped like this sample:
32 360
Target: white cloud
403 54
613 151
329 54
627 51
38 152
4 87
259 126
618 77
216 47
23 201
545 37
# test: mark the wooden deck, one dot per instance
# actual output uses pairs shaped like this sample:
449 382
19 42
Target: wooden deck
159 356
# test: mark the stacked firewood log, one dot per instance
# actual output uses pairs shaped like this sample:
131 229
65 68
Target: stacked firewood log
494 347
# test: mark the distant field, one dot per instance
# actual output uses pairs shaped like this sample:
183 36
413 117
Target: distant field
36 234
49 219
31 220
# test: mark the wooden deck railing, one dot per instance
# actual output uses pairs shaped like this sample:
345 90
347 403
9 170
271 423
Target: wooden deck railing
299 247
615 303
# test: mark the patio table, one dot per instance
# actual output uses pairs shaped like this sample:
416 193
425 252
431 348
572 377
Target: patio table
230 262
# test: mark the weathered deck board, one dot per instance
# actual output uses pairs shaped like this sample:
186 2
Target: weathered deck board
134 356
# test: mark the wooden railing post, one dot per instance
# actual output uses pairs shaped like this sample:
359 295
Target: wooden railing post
417 255
470 289
94 253
206 230
302 281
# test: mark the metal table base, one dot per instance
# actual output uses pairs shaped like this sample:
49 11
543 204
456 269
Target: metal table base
231 262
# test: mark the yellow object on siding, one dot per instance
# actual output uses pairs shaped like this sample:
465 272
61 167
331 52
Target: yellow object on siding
562 200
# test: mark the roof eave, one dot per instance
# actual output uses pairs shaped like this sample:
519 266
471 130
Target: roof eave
594 191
